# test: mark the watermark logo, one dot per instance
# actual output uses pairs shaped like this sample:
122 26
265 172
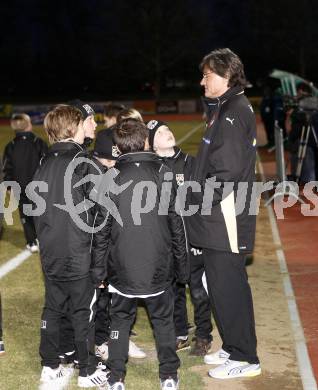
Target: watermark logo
86 188
99 186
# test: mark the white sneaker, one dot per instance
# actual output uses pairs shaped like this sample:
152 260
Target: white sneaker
57 378
116 386
218 357
169 384
135 352
235 369
102 351
49 374
2 350
33 248
70 368
98 378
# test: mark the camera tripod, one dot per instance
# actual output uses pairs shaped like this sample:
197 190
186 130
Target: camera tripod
283 187
302 149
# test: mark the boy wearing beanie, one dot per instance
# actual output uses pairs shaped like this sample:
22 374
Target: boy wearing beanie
162 142
89 123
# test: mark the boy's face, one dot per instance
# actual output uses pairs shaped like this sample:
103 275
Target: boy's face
164 138
80 133
89 126
106 162
109 121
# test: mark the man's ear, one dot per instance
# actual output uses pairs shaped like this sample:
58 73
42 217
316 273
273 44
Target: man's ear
147 147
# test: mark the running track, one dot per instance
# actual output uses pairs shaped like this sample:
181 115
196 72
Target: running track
299 236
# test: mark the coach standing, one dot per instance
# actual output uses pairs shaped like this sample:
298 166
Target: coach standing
226 158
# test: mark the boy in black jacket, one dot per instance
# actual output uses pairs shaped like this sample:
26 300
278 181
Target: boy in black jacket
144 253
20 161
162 141
105 153
70 277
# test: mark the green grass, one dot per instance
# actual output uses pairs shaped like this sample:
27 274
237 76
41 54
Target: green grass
22 299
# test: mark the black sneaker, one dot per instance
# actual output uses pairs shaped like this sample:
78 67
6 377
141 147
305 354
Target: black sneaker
2 351
201 347
182 345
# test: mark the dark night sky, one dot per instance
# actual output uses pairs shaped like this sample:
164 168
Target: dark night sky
106 49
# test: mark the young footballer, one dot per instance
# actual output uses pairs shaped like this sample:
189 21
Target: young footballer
144 255
162 141
70 277
106 153
20 161
111 111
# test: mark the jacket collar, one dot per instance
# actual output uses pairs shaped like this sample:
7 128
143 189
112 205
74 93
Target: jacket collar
177 153
211 104
67 145
19 134
137 157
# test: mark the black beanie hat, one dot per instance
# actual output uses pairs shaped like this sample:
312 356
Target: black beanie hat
85 108
153 125
104 146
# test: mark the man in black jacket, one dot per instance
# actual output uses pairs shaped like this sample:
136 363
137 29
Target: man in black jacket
225 226
146 251
20 160
64 232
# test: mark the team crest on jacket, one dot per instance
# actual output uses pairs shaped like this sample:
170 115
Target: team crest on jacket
180 179
115 151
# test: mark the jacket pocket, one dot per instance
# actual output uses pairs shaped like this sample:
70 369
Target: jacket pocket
61 268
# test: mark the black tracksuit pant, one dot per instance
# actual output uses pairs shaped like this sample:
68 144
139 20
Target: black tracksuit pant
79 296
27 221
200 299
122 314
102 324
232 303
180 314
102 320
0 319
67 343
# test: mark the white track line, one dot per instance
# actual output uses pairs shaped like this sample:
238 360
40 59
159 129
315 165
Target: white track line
304 363
13 263
188 135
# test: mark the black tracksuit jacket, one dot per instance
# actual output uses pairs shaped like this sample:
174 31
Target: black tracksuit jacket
65 247
180 164
142 259
21 157
227 154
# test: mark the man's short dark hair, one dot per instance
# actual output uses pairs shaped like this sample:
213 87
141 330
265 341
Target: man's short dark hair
226 64
130 135
113 109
